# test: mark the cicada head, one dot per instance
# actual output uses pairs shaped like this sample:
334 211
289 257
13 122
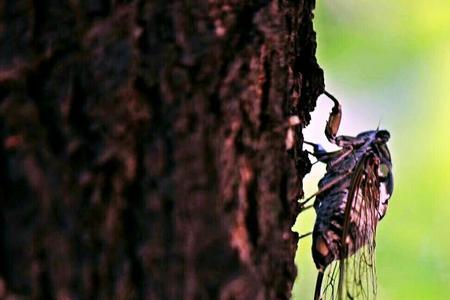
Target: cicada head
382 136
385 176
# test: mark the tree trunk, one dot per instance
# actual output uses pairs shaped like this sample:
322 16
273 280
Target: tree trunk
146 151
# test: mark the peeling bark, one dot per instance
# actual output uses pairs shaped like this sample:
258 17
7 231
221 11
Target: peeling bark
143 147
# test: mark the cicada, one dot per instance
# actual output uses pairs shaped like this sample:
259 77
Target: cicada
352 198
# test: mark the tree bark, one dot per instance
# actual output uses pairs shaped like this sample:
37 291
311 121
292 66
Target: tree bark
144 148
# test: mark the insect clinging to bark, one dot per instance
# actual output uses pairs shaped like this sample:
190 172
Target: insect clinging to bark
352 197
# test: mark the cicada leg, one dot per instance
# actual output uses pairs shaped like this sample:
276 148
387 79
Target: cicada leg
342 154
321 154
323 189
326 157
304 235
317 290
331 158
334 120
333 123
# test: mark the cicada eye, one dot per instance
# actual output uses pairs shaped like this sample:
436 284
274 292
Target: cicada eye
383 135
383 170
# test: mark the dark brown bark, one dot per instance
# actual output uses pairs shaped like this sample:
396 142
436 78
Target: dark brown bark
143 147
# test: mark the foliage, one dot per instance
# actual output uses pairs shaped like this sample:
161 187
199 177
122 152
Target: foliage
390 61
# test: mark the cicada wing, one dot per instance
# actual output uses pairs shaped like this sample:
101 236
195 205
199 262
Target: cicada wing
330 286
358 281
354 275
360 275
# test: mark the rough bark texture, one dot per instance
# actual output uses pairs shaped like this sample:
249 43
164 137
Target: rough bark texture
143 147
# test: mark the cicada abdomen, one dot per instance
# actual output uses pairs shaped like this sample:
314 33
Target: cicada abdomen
352 198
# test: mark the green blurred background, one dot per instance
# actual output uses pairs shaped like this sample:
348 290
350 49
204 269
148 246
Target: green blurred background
389 62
